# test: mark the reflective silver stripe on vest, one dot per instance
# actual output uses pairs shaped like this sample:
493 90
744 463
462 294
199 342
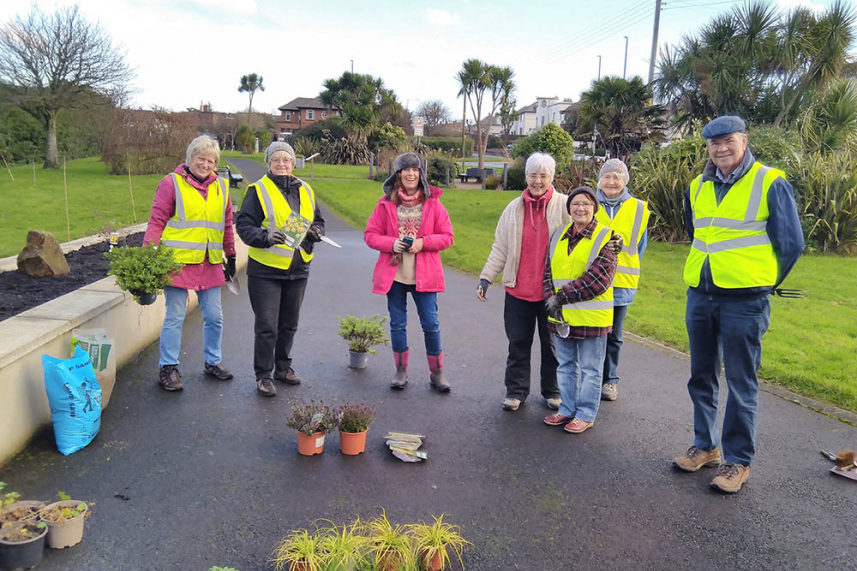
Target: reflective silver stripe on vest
628 271
749 224
558 283
179 198
730 224
593 305
732 244
180 211
631 249
308 193
178 225
279 249
283 251
184 245
756 195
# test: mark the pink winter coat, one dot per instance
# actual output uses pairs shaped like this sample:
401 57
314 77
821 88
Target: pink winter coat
382 231
193 276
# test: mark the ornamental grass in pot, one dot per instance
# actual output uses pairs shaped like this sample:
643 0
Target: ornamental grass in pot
22 544
143 271
433 542
312 421
354 420
362 333
299 551
65 520
390 545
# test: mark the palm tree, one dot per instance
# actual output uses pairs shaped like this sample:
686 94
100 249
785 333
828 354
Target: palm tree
476 78
619 109
249 84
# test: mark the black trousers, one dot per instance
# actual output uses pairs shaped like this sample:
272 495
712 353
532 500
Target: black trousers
277 306
521 318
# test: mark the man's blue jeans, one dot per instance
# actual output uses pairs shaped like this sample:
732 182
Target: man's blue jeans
397 305
614 345
581 362
212 325
728 331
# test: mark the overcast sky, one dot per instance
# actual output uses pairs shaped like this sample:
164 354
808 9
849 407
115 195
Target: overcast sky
190 51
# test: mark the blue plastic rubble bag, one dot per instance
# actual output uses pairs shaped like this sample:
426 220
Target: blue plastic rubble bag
75 398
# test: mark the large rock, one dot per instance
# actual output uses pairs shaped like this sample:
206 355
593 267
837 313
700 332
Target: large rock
43 256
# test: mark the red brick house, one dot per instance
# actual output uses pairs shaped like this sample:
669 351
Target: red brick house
302 111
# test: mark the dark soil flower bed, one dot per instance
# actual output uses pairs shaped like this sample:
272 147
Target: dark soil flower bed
20 292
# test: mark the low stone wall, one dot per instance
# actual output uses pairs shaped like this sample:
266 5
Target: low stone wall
46 330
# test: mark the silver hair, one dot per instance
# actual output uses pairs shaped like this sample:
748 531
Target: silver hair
203 145
541 162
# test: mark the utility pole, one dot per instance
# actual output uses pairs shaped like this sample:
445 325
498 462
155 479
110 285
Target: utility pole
352 66
594 125
654 56
599 68
625 67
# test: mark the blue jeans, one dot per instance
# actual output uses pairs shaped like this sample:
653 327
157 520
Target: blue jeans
731 332
581 363
212 325
614 345
397 305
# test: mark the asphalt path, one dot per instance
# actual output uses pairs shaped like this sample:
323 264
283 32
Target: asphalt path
212 476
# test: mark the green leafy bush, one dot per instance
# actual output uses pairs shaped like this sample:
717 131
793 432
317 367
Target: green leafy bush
492 182
389 136
352 149
306 147
143 270
550 139
355 417
320 129
450 145
362 333
515 178
437 167
244 137
311 418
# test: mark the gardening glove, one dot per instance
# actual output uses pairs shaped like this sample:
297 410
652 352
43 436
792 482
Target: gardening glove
554 307
313 235
276 237
615 243
482 290
399 246
229 268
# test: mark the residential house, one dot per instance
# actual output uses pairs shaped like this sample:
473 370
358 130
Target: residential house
301 112
536 115
526 122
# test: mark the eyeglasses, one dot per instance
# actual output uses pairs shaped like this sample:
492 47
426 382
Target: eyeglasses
576 205
281 161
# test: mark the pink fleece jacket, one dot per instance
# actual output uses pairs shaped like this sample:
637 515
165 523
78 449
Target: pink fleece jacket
193 276
382 231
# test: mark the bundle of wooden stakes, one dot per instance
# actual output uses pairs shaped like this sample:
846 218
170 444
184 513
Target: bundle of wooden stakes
406 446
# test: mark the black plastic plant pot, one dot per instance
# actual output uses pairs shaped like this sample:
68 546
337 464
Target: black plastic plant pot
23 555
146 298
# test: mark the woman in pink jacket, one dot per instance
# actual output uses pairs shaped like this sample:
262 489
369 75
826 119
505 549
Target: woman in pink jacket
409 227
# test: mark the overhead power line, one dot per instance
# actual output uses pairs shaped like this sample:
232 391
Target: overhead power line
617 27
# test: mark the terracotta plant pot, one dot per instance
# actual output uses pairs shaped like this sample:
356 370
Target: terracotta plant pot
433 563
389 562
352 443
311 445
298 566
358 360
23 554
23 510
67 533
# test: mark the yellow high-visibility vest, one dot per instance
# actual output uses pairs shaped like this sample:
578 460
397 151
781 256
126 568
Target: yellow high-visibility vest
275 204
630 222
197 226
565 267
733 235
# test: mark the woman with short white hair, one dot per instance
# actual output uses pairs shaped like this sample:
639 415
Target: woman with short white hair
192 214
519 250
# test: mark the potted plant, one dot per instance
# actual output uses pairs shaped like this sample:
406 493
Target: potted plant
299 551
390 545
143 271
13 509
312 421
362 333
344 547
65 520
22 544
433 542
354 420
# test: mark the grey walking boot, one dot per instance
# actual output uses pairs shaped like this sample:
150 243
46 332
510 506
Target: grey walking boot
400 379
438 379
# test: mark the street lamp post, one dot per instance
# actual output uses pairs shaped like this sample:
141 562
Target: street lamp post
599 68
352 66
625 67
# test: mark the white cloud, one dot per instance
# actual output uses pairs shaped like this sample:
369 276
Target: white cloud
788 5
439 17
244 7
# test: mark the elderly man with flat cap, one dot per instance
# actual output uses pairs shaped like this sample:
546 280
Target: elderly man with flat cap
746 237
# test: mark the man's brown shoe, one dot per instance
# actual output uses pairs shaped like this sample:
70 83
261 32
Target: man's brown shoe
217 371
289 377
730 477
266 387
697 458
169 378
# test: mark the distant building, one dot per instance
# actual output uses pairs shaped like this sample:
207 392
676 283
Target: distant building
536 115
301 112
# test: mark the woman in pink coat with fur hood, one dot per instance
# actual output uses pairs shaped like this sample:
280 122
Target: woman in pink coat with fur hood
410 227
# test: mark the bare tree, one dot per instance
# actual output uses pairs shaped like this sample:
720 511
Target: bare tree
54 62
434 113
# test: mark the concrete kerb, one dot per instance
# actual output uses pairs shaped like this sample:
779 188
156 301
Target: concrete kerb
46 330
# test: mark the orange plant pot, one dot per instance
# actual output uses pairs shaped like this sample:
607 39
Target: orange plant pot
352 443
434 563
299 566
312 444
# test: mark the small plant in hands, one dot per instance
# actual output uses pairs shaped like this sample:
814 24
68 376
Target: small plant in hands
60 514
363 333
311 418
355 417
143 270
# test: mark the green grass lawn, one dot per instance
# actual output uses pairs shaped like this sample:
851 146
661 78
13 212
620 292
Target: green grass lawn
317 171
810 347
96 201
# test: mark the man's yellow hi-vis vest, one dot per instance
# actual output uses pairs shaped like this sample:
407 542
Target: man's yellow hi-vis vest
630 222
274 204
565 267
197 226
732 235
